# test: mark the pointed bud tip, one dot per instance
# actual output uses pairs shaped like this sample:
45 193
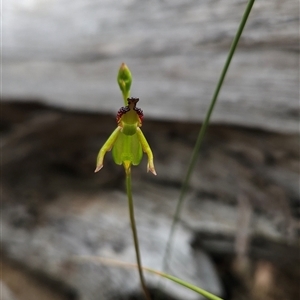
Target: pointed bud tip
124 70
123 66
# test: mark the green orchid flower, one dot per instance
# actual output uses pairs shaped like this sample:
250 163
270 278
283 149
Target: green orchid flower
127 141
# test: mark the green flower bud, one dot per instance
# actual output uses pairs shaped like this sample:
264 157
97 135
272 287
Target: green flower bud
124 80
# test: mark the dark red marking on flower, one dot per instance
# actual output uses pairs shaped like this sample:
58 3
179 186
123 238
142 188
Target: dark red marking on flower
132 102
131 105
139 113
121 112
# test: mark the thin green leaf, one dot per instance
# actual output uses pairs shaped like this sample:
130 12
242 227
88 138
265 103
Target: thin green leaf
114 262
202 132
185 284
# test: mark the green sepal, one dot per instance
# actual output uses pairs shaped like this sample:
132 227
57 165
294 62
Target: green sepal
127 148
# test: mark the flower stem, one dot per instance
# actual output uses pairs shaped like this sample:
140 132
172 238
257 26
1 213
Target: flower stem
134 231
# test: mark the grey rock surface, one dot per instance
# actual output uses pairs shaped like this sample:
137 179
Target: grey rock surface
98 226
67 53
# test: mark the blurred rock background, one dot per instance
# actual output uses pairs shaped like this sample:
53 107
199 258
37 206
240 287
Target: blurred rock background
239 231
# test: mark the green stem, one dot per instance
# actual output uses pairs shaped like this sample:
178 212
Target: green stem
202 131
134 231
125 96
